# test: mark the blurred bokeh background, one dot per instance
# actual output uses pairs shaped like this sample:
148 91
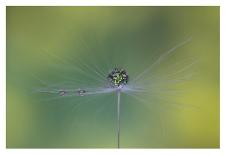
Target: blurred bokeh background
46 46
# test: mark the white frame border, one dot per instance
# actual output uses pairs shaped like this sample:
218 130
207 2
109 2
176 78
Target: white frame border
3 5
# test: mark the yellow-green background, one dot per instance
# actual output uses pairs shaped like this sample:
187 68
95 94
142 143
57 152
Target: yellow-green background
129 35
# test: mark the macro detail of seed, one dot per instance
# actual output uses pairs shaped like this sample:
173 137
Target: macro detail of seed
118 77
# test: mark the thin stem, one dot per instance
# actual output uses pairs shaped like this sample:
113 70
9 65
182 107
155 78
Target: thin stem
118 118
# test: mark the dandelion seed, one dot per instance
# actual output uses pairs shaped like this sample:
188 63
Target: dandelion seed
117 81
118 78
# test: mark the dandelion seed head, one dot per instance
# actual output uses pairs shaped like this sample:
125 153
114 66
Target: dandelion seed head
118 77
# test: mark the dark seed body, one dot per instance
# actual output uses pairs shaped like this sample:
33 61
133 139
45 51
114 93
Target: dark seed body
118 77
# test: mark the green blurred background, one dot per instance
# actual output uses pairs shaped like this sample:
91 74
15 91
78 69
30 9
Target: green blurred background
41 39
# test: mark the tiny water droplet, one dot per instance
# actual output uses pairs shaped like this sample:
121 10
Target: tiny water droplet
62 92
81 92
